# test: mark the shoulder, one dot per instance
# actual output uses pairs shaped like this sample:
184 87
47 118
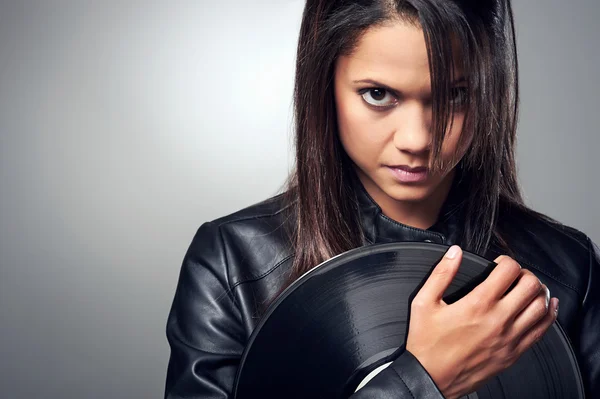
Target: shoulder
270 209
246 244
535 227
561 252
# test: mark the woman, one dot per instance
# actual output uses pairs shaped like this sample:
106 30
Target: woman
405 130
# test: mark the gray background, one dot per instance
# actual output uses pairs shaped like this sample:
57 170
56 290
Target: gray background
125 125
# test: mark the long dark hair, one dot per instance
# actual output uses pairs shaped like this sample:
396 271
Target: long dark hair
319 190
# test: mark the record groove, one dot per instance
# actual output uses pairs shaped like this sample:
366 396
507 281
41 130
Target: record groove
348 316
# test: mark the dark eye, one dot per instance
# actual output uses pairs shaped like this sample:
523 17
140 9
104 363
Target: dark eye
377 94
378 97
459 95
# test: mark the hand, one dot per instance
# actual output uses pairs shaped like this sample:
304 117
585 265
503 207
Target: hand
463 344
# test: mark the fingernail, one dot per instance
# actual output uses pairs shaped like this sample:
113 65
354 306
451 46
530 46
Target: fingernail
452 252
556 310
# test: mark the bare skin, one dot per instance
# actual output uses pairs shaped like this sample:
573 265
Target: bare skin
383 102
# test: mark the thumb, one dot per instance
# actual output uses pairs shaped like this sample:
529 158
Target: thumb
441 276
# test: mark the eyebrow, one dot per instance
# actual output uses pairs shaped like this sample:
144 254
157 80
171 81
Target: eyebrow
458 81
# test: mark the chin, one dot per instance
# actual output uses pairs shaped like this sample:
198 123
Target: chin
409 194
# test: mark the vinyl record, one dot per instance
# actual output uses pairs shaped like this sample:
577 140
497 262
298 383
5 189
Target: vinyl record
348 317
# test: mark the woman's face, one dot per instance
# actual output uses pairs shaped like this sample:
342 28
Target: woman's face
384 110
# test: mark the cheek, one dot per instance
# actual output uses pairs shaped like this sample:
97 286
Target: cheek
452 143
358 131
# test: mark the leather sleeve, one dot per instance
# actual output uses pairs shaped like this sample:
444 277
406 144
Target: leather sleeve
204 327
589 331
205 332
404 378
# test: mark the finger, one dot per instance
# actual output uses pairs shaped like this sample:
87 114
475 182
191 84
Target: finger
528 287
441 276
534 312
536 333
499 280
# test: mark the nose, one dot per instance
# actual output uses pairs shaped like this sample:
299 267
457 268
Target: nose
413 128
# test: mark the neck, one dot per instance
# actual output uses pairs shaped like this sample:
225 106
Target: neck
419 214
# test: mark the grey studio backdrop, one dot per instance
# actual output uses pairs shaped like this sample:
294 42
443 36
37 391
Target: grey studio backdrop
125 125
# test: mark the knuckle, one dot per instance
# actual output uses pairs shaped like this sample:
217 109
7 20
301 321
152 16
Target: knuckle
511 265
495 327
442 269
532 283
539 307
418 304
477 303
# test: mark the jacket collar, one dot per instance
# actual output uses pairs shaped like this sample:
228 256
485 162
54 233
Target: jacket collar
378 228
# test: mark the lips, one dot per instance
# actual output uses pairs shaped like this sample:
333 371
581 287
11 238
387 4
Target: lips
417 169
407 174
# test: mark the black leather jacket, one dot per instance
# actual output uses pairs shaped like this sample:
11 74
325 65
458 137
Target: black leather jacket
235 264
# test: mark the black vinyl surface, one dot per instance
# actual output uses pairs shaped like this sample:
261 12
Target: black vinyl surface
349 315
